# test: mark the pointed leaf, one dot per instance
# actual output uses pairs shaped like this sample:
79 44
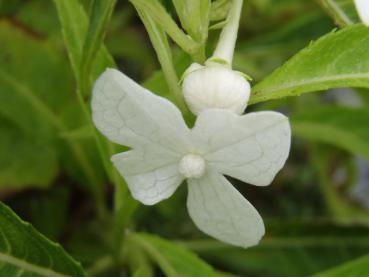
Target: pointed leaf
174 260
339 59
24 251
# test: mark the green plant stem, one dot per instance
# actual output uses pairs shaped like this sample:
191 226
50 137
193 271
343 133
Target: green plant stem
228 36
336 12
161 46
165 21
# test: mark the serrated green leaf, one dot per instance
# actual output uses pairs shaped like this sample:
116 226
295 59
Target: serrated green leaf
25 252
174 260
356 268
340 126
339 59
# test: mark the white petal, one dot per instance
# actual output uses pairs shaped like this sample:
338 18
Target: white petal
220 211
362 7
130 115
252 147
151 176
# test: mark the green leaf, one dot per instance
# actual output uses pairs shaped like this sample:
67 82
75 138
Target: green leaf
101 12
339 126
340 206
173 259
35 159
219 9
339 59
74 24
194 16
24 251
357 267
34 104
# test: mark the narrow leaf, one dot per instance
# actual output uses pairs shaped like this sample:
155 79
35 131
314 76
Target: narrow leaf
74 24
357 267
99 19
24 251
173 259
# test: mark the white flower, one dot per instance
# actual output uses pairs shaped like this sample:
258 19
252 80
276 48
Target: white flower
165 152
362 7
215 86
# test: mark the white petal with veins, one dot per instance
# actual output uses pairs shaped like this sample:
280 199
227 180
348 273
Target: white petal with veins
252 147
151 176
130 115
220 211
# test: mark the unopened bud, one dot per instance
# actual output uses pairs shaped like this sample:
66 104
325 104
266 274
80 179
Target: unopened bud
215 86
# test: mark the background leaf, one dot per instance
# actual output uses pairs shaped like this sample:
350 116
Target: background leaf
24 251
174 260
339 126
358 267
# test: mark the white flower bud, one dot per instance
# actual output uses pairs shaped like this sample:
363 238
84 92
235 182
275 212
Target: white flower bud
215 86
192 166
362 7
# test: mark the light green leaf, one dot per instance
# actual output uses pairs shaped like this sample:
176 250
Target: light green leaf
339 59
356 268
25 252
219 9
194 16
339 126
174 260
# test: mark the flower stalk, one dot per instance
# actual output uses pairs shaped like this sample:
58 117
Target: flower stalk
227 41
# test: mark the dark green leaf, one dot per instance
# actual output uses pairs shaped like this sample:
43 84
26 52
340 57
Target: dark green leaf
174 260
24 251
340 126
355 268
21 153
101 12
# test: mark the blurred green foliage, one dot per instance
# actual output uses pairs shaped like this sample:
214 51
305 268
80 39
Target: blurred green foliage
55 170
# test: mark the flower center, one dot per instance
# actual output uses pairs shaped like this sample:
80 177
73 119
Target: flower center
192 166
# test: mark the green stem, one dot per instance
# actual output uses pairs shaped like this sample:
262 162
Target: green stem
161 46
228 36
165 21
336 11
